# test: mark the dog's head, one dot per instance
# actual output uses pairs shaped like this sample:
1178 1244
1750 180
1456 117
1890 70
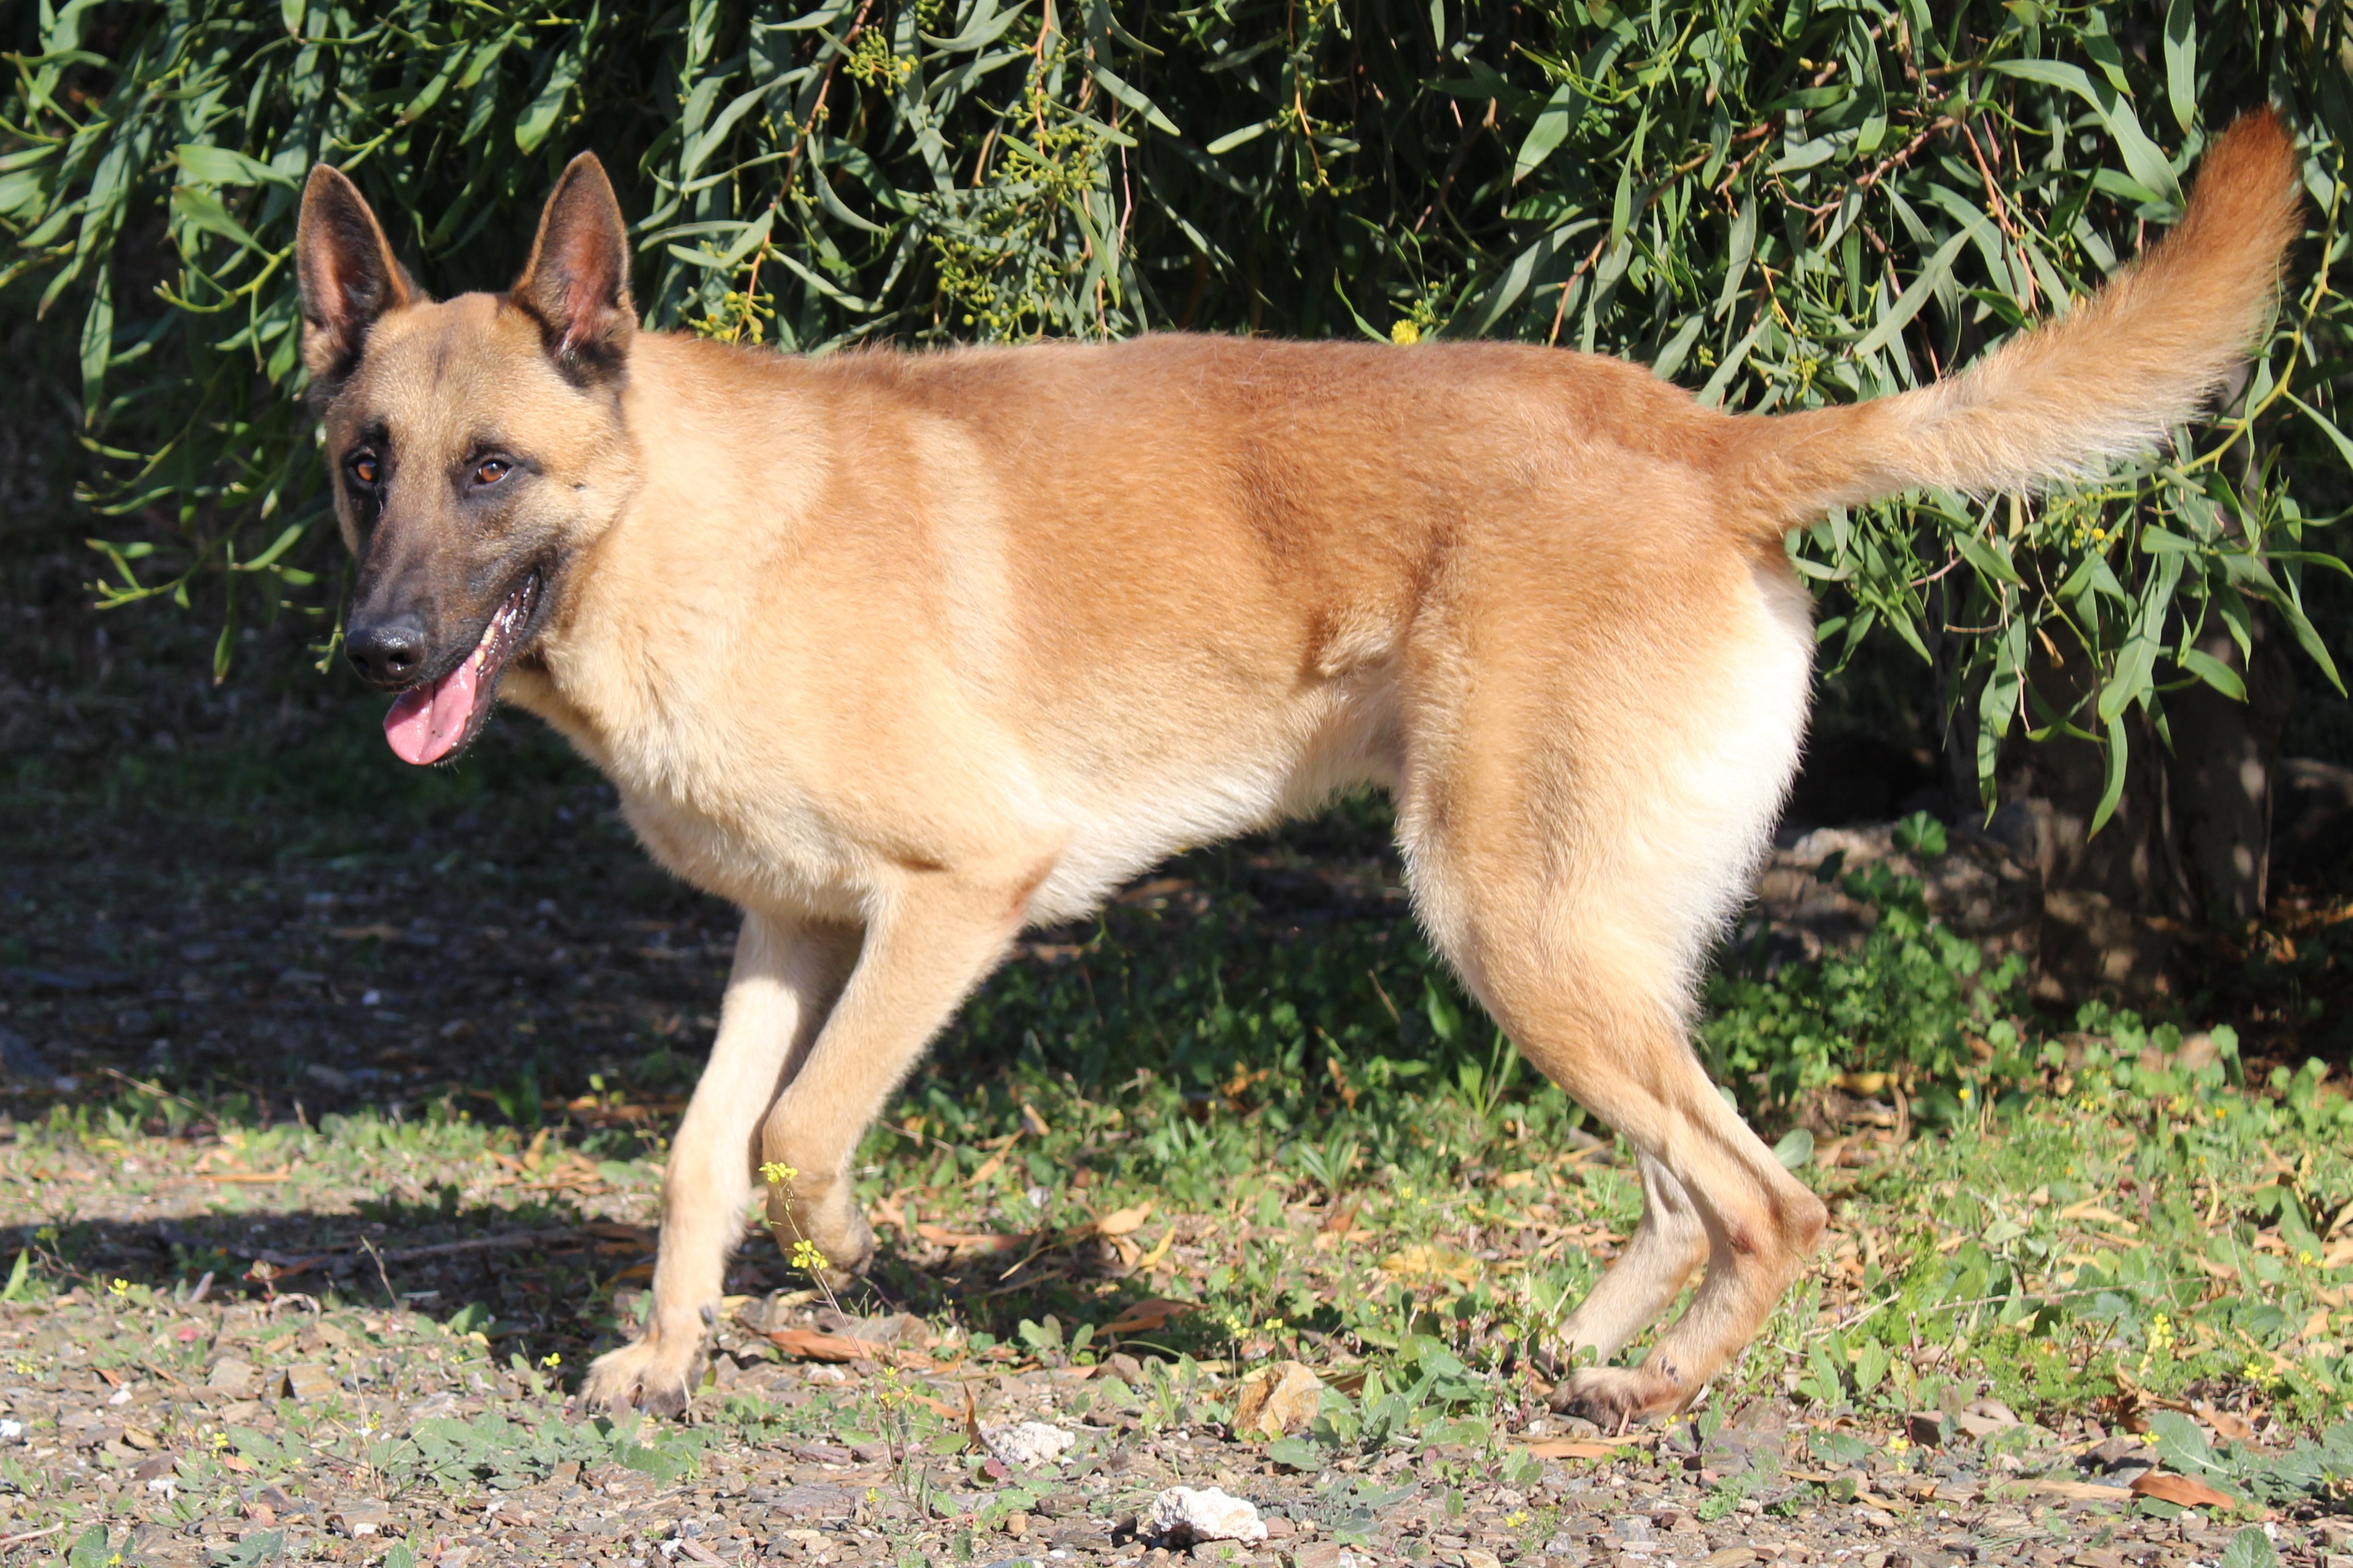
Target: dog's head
477 445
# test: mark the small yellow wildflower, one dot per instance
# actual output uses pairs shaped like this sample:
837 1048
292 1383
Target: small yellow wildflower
551 1360
119 1287
1405 331
1898 1443
777 1176
807 1257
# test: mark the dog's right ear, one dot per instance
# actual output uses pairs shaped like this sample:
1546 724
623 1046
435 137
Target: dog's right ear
347 273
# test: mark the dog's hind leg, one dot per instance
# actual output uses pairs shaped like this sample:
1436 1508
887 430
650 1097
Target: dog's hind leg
1670 1242
1604 1023
785 981
1577 822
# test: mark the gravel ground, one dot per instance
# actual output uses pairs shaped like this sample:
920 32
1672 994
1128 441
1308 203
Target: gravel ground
207 1432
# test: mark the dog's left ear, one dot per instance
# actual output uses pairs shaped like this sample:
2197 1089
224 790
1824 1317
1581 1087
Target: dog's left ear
576 282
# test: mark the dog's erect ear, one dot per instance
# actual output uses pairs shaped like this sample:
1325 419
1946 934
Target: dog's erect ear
347 273
578 280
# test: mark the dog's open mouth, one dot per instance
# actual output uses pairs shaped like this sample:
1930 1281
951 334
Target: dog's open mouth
431 720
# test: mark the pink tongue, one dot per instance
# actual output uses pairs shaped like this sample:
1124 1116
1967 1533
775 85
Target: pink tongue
427 721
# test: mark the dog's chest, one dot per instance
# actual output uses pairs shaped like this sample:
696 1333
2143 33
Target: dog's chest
780 853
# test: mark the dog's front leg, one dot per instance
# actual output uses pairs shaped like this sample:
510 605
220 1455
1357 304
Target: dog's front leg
786 976
937 941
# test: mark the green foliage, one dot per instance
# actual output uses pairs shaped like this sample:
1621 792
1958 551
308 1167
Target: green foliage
90 1550
491 1449
1421 1402
1911 1001
259 1547
1787 204
2309 1469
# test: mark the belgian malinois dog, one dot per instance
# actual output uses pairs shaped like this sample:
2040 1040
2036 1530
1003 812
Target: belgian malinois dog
903 652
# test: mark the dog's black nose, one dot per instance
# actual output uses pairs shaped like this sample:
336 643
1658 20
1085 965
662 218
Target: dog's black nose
387 652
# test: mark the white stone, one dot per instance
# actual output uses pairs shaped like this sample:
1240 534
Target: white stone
1026 1444
1182 1516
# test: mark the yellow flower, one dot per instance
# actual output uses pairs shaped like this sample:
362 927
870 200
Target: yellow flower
807 1257
777 1176
120 1287
1405 331
1898 1444
551 1359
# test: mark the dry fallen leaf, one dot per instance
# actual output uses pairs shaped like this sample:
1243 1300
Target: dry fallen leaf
1581 1447
810 1344
1120 1222
979 1240
1424 1262
2068 1491
2226 1424
1277 1398
1153 1258
2180 1490
1146 1317
995 1163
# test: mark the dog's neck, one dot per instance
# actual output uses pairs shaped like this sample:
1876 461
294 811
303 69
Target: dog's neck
728 463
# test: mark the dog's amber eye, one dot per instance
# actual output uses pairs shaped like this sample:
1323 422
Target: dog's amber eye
491 470
363 469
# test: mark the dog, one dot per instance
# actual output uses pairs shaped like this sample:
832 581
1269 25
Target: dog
903 652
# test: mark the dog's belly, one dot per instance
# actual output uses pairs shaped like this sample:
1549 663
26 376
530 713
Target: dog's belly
756 830
1336 740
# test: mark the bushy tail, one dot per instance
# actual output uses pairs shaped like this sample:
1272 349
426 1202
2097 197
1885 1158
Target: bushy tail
2108 380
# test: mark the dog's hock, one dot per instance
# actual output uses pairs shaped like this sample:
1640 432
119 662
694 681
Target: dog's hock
577 280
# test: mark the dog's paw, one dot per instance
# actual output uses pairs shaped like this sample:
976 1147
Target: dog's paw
648 1375
1616 1397
851 1250
841 1234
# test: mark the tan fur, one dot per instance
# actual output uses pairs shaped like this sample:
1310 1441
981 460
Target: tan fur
902 653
